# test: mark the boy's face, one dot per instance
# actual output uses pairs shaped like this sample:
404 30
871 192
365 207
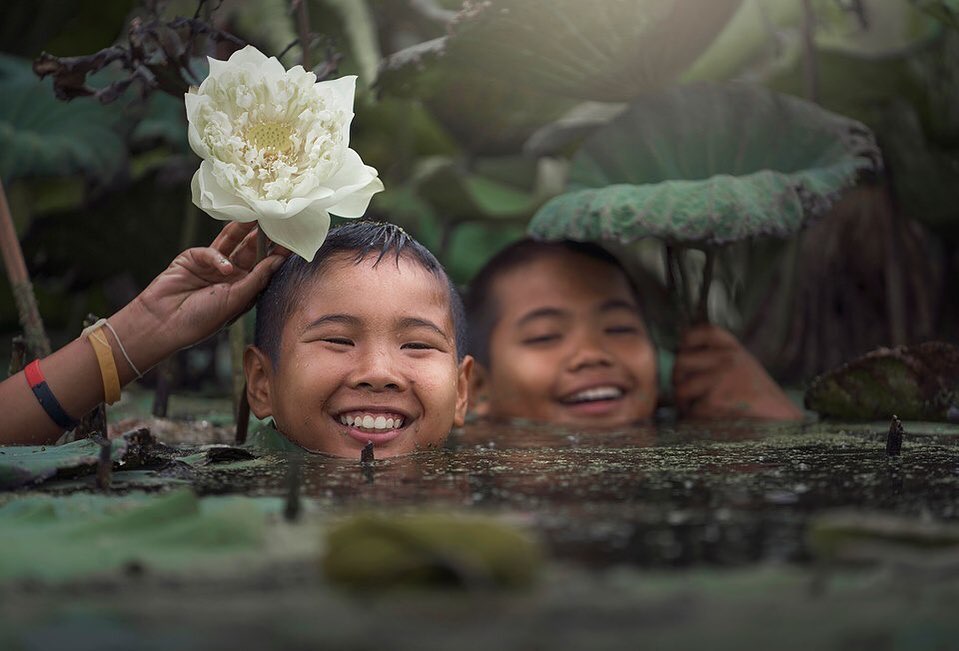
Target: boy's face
569 346
368 354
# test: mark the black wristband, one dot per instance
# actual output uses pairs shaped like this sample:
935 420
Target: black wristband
45 397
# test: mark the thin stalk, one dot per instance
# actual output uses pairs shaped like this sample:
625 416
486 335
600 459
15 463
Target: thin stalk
685 290
702 311
809 67
37 341
303 28
241 404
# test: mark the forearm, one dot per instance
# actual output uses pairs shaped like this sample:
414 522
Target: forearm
74 377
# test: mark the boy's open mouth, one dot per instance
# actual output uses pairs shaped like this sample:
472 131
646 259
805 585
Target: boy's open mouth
375 427
593 394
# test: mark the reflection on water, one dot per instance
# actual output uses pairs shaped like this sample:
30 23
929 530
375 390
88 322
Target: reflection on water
651 496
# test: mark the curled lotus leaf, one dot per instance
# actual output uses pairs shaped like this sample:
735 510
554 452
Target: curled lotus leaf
918 382
709 164
605 50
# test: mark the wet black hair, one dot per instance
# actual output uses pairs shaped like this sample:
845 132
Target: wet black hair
363 239
482 311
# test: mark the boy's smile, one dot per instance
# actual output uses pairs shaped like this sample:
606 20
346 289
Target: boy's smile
569 346
367 355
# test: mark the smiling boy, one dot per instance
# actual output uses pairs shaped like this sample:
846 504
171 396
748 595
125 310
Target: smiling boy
558 336
364 344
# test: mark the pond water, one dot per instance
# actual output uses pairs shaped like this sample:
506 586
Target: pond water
650 496
675 534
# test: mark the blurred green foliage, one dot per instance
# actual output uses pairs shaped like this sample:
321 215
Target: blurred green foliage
473 117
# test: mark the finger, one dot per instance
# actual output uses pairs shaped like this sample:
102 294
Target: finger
692 362
244 255
245 290
693 389
231 235
707 336
206 258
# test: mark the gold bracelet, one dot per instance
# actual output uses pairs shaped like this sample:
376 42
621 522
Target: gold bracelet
108 367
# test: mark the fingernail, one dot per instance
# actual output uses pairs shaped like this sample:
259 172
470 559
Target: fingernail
223 260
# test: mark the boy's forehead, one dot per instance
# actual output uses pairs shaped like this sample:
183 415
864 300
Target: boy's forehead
387 287
560 275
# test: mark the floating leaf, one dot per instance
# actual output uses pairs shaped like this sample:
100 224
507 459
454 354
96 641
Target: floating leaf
709 164
606 50
913 382
32 464
377 551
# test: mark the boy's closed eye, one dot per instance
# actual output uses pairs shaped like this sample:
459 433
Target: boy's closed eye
541 339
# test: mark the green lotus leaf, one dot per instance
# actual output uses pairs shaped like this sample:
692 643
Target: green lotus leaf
765 36
918 382
485 113
42 136
31 464
606 50
176 531
461 195
709 164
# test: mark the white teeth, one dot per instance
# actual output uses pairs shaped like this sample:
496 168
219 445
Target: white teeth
369 421
596 393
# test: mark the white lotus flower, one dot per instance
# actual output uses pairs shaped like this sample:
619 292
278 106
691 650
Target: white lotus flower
275 148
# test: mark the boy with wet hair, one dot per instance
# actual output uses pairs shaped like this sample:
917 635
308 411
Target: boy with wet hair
557 333
366 344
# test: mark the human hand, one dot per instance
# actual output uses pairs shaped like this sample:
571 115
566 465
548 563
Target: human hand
205 287
715 377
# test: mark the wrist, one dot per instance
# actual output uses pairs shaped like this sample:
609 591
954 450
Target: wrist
145 338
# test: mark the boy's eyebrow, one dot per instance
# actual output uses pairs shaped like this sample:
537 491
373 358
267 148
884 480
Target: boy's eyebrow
344 319
618 304
543 312
414 322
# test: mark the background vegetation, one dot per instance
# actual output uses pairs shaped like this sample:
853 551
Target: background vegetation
473 114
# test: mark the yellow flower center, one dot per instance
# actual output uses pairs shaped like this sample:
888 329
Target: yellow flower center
273 137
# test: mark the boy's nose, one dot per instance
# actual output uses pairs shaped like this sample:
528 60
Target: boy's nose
375 371
588 352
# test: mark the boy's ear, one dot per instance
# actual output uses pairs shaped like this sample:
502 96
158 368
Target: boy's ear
258 371
479 390
463 376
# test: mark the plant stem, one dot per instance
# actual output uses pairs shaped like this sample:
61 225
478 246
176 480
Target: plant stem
810 69
702 311
37 341
303 28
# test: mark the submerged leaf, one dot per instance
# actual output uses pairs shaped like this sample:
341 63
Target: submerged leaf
913 382
709 164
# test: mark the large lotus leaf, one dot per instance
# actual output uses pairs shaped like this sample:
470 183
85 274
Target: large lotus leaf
81 535
913 382
42 136
485 113
765 36
709 164
509 187
607 50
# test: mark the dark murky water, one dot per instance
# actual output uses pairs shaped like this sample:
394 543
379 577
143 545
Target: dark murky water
652 497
